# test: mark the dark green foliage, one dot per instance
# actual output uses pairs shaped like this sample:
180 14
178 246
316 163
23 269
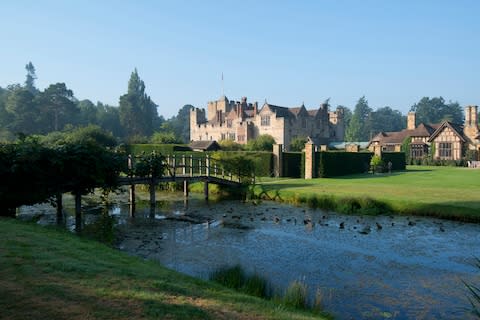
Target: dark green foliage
236 278
360 122
263 142
262 161
386 119
32 173
333 164
138 113
298 144
435 110
166 149
292 164
396 158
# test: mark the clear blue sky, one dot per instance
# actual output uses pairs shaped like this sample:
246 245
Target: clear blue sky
392 51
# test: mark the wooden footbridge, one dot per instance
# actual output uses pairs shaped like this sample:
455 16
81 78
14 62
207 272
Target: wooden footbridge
187 169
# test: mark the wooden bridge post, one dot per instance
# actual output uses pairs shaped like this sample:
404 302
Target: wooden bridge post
59 204
207 165
132 200
191 165
184 171
205 189
78 211
152 198
185 188
131 196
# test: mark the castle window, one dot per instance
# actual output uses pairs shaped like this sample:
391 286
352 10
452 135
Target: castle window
229 123
231 136
241 138
223 136
445 150
265 121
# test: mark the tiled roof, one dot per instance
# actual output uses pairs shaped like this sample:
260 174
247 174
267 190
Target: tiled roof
204 145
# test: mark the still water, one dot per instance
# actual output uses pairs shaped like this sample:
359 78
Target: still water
363 267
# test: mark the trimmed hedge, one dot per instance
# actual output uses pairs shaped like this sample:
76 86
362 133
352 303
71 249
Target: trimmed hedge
262 160
292 164
333 164
397 159
161 148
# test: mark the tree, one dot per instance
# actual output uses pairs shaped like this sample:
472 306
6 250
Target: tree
435 110
298 143
57 107
31 77
181 123
138 113
359 126
23 111
386 119
108 118
263 142
88 112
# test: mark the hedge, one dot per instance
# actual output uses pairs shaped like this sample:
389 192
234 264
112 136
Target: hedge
262 160
161 148
292 164
397 159
332 164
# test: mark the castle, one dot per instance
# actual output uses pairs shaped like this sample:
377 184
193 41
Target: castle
241 121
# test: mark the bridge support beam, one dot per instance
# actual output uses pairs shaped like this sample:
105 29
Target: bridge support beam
59 204
185 188
152 199
78 212
131 200
205 190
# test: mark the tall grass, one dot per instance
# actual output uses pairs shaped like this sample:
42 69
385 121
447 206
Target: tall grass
295 295
236 278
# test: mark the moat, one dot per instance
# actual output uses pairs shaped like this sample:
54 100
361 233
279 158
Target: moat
386 267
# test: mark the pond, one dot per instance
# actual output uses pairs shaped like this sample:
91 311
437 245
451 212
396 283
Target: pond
363 267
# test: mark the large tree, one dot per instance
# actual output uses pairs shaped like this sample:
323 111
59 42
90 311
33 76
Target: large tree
57 107
23 111
386 119
359 127
435 110
138 113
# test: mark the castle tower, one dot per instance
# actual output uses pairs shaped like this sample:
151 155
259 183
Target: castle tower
411 119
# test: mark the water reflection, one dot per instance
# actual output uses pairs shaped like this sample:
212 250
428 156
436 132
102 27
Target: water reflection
365 267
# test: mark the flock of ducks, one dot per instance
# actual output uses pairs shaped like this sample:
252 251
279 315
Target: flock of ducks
360 226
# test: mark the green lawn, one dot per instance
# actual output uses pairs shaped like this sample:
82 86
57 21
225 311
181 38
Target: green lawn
47 273
448 192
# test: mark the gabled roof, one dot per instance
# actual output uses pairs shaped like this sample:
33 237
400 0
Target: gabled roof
204 145
424 130
282 112
298 111
457 128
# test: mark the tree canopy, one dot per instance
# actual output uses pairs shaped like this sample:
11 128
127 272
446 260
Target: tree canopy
360 122
435 110
138 113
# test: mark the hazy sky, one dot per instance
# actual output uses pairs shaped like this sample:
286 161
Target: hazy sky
392 51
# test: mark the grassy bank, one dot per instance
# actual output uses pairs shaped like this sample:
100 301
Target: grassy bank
47 273
445 192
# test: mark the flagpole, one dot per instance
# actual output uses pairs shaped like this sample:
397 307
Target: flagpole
223 89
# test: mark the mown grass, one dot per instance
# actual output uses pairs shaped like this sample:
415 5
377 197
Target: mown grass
46 273
444 192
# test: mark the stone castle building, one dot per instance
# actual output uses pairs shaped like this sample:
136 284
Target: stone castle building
241 121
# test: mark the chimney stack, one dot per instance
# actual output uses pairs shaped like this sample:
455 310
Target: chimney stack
411 121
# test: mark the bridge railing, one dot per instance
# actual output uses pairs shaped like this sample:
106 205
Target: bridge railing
194 166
